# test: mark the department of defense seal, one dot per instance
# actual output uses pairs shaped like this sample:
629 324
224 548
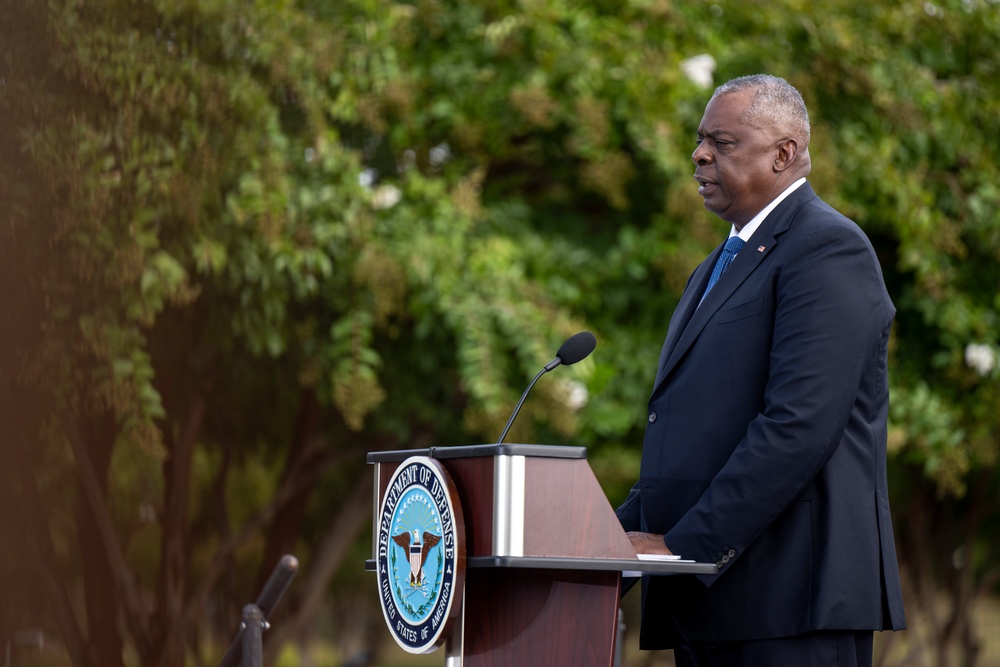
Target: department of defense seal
421 554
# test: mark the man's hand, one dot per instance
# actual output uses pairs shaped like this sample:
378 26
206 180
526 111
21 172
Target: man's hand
647 543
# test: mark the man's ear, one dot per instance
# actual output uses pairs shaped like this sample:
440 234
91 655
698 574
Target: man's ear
787 151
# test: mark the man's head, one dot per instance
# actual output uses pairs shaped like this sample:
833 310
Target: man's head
752 144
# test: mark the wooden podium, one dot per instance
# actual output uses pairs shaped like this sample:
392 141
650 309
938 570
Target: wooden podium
545 555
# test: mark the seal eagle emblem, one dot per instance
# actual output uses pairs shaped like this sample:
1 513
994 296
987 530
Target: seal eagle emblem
417 553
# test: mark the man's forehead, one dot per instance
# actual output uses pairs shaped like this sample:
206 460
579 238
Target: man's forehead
728 114
720 118
729 102
713 127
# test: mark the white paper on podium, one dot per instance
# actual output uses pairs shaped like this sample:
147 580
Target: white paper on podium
656 558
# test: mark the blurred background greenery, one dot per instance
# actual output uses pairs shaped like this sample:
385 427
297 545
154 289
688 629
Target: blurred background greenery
244 242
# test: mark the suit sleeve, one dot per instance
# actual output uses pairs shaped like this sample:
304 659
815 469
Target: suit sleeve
831 313
629 513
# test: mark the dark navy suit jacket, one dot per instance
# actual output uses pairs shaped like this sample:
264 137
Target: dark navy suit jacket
765 450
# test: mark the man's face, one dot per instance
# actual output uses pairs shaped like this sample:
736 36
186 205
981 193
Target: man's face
734 162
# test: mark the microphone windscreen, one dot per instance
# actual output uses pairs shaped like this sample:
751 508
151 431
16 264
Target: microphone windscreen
577 348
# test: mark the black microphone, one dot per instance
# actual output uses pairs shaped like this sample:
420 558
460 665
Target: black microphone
576 348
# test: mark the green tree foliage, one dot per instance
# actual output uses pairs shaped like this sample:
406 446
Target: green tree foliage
245 243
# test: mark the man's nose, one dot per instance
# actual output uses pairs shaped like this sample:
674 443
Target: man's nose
701 155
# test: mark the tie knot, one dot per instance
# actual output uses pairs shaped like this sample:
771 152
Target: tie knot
735 244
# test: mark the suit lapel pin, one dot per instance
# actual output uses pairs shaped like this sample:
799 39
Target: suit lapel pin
760 248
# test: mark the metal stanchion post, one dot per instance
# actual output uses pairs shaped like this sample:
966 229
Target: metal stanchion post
252 630
268 599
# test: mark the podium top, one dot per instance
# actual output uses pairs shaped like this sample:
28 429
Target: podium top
468 451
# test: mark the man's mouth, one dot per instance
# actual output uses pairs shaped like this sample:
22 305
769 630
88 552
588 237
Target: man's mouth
705 187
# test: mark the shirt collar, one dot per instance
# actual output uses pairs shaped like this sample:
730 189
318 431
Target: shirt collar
751 227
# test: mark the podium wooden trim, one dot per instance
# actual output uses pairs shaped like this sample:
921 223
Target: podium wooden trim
545 555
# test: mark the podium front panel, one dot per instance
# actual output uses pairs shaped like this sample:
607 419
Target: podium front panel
539 617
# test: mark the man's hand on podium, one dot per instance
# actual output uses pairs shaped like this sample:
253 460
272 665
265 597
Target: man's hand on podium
648 543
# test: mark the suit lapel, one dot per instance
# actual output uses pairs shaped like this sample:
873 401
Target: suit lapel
686 307
692 318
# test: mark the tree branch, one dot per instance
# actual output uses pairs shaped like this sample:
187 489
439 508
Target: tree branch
306 476
352 517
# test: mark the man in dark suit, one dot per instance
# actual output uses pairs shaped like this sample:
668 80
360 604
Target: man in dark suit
765 450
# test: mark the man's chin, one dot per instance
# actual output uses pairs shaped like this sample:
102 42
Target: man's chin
713 205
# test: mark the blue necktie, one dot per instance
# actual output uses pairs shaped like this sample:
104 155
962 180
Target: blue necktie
733 246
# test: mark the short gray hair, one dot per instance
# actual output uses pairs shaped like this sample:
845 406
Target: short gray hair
776 103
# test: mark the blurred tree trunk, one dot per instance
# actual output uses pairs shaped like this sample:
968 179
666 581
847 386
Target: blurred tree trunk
301 472
100 585
174 545
944 580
